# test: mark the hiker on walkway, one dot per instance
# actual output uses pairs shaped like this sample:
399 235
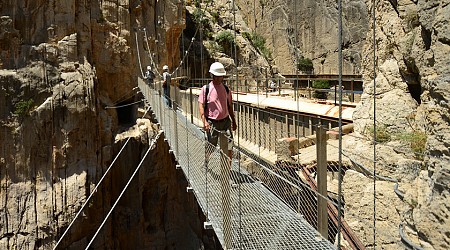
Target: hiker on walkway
216 107
273 86
149 76
166 77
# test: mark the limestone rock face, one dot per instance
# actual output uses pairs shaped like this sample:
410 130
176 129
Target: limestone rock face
411 96
45 173
64 64
359 192
291 30
285 148
309 29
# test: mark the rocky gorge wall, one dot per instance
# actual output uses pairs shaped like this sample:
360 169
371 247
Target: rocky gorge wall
63 63
412 93
309 29
411 98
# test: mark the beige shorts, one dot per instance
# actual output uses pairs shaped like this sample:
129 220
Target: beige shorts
220 126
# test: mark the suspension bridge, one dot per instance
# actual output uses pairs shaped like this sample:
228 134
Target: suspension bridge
242 210
253 201
272 204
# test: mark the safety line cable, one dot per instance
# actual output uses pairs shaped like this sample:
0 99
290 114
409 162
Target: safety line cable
125 105
91 194
150 55
138 54
396 191
340 124
236 62
374 125
121 193
125 96
95 188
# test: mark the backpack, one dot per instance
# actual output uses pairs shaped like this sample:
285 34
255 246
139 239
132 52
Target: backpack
205 102
168 78
149 75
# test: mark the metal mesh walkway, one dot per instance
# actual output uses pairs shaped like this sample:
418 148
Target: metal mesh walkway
243 212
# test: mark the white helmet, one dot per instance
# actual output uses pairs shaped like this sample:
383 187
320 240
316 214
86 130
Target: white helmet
149 68
217 69
165 67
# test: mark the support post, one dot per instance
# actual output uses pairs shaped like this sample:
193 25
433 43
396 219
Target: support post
175 118
309 90
287 125
225 186
246 86
266 83
322 213
160 103
335 94
353 91
191 101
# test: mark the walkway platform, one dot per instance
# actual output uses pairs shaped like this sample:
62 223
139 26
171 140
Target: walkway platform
241 210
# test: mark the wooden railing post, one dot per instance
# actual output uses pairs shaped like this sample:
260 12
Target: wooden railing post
321 149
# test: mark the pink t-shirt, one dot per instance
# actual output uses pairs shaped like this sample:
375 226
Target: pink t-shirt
217 107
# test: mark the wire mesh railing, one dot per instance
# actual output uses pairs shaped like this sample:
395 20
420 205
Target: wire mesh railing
291 182
295 87
244 208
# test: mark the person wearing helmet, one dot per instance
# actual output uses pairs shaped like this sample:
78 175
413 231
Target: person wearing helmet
216 109
166 76
149 76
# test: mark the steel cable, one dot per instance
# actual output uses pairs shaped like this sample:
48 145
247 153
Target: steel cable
122 192
374 123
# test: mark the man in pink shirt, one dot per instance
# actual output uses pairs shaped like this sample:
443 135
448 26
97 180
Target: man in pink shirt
216 107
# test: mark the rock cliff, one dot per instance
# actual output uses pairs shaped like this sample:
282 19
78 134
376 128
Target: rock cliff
309 29
65 65
411 101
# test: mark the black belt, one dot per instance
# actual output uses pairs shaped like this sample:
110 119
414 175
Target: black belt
221 120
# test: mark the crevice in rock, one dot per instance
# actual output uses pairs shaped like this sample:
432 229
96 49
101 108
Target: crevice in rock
443 40
415 90
412 78
394 4
426 37
126 113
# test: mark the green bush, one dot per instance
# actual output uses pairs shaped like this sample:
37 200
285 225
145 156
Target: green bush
215 16
23 108
266 53
262 3
225 37
258 41
412 19
199 17
320 84
305 64
416 140
381 133
247 35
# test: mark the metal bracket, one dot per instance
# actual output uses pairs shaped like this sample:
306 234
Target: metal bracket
207 225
